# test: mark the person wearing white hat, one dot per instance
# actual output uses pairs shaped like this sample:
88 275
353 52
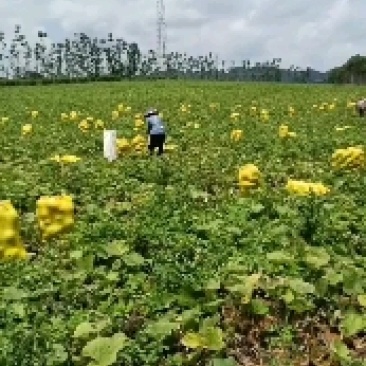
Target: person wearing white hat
156 130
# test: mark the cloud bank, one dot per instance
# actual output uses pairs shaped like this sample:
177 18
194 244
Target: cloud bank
321 34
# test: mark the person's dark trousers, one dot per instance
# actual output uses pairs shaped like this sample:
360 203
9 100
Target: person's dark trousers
361 111
157 141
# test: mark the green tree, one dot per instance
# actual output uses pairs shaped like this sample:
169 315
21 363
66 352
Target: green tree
353 71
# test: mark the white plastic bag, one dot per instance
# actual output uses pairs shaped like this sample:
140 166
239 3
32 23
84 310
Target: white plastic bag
110 144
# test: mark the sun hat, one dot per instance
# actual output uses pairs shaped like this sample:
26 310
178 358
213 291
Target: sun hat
151 112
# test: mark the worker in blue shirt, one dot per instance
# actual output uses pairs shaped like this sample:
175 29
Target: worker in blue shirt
156 131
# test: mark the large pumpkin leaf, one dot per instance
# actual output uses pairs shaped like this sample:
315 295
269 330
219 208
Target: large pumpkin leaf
13 293
300 287
362 300
213 339
280 257
259 307
352 324
103 350
192 340
245 286
83 329
86 328
341 350
162 328
133 259
116 248
210 338
317 257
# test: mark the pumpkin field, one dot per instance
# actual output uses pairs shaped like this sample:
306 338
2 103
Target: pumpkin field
244 244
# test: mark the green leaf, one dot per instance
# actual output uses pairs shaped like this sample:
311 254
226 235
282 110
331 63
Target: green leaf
112 276
192 340
288 296
280 257
256 208
362 300
223 362
58 356
189 315
83 329
213 285
29 217
353 281
301 287
86 263
245 284
209 322
18 309
213 306
92 208
213 338
341 350
13 293
86 328
117 248
352 324
322 287
162 328
184 300
317 257
133 260
76 254
259 307
300 305
333 277
103 350
283 210
234 230
124 207
195 194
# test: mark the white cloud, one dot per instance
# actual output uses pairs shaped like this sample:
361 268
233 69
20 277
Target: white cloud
320 34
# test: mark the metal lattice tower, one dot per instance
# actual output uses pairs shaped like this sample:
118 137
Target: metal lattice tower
161 31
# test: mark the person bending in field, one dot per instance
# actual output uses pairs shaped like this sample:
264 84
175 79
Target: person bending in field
156 131
361 107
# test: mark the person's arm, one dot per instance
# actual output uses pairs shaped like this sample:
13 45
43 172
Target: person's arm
148 127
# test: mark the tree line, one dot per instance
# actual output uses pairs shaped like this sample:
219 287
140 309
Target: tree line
83 58
351 72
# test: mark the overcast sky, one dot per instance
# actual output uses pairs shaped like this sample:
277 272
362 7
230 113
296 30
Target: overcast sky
316 33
